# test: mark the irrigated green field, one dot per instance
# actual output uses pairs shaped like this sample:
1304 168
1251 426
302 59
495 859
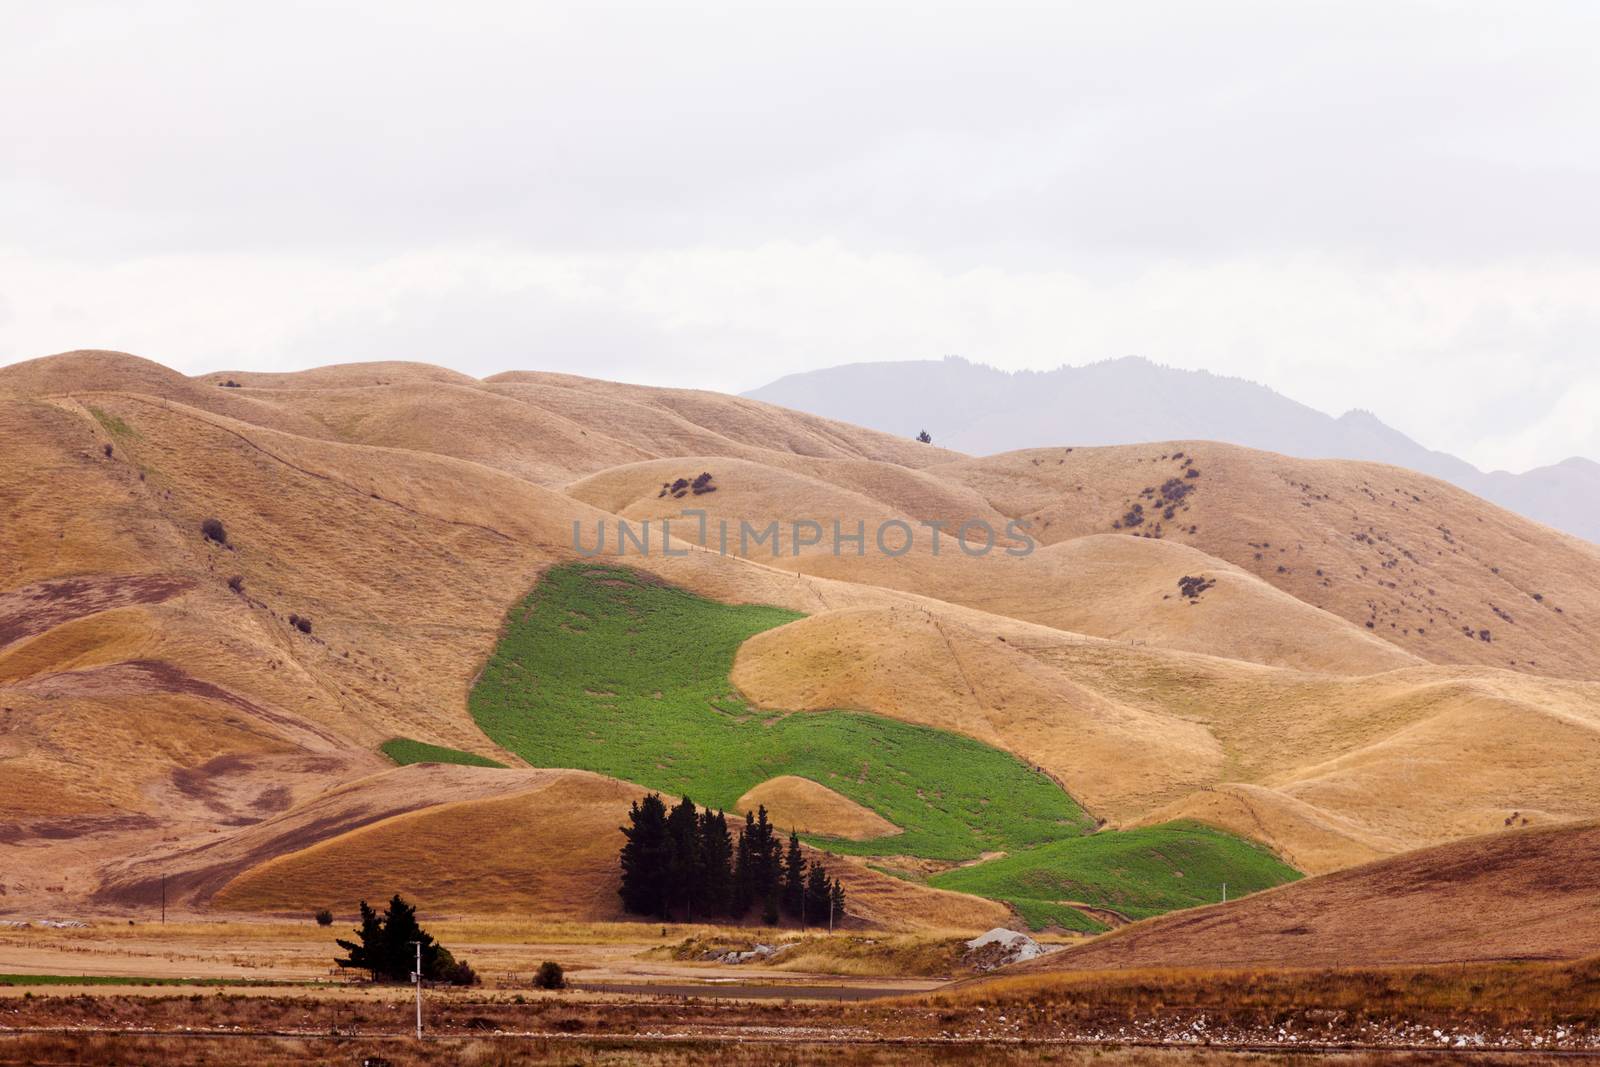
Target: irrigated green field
604 669
404 750
1137 873
607 670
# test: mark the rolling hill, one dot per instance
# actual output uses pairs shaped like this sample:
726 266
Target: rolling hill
1338 661
1526 895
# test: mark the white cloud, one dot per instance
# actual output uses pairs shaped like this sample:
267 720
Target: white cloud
1385 205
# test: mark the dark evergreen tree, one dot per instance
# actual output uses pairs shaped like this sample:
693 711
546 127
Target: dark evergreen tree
744 872
769 908
836 896
685 864
716 854
400 933
794 879
386 946
766 859
819 894
366 952
645 858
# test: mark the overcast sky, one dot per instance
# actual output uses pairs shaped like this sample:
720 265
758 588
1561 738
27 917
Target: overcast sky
1389 205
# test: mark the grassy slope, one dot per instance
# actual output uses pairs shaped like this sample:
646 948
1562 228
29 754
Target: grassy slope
604 669
1137 873
404 751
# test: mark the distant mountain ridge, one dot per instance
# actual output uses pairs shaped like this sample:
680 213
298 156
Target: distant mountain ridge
980 410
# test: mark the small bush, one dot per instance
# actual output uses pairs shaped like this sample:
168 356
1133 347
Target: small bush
107 449
214 531
324 917
550 976
236 583
301 623
459 973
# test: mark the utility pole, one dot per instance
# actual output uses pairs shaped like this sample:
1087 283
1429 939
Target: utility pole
830 913
1224 892
416 976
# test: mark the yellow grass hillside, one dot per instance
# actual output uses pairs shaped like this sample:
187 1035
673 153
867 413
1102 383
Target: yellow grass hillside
1420 563
548 849
212 708
1524 895
810 807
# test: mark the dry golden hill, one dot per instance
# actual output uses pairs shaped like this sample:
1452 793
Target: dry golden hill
810 807
1524 895
1327 770
1114 587
508 854
1420 563
155 718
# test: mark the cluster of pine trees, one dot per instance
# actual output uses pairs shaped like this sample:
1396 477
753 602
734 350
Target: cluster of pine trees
386 947
685 863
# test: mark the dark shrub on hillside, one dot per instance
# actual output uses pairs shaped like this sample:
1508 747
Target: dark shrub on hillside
214 531
301 623
229 384
1192 586
236 583
324 917
550 976
107 449
1192 472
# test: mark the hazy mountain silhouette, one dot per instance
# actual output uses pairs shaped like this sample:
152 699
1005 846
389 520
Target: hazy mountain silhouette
981 410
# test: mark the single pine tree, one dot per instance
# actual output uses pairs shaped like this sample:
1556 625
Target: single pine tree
766 855
716 854
744 873
401 932
645 857
794 879
819 894
836 898
686 866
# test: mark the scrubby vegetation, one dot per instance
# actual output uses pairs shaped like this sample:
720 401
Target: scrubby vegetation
213 530
404 751
701 485
550 976
604 669
1135 873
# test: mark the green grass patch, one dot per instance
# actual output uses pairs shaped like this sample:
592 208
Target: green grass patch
1137 873
605 669
112 424
404 751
